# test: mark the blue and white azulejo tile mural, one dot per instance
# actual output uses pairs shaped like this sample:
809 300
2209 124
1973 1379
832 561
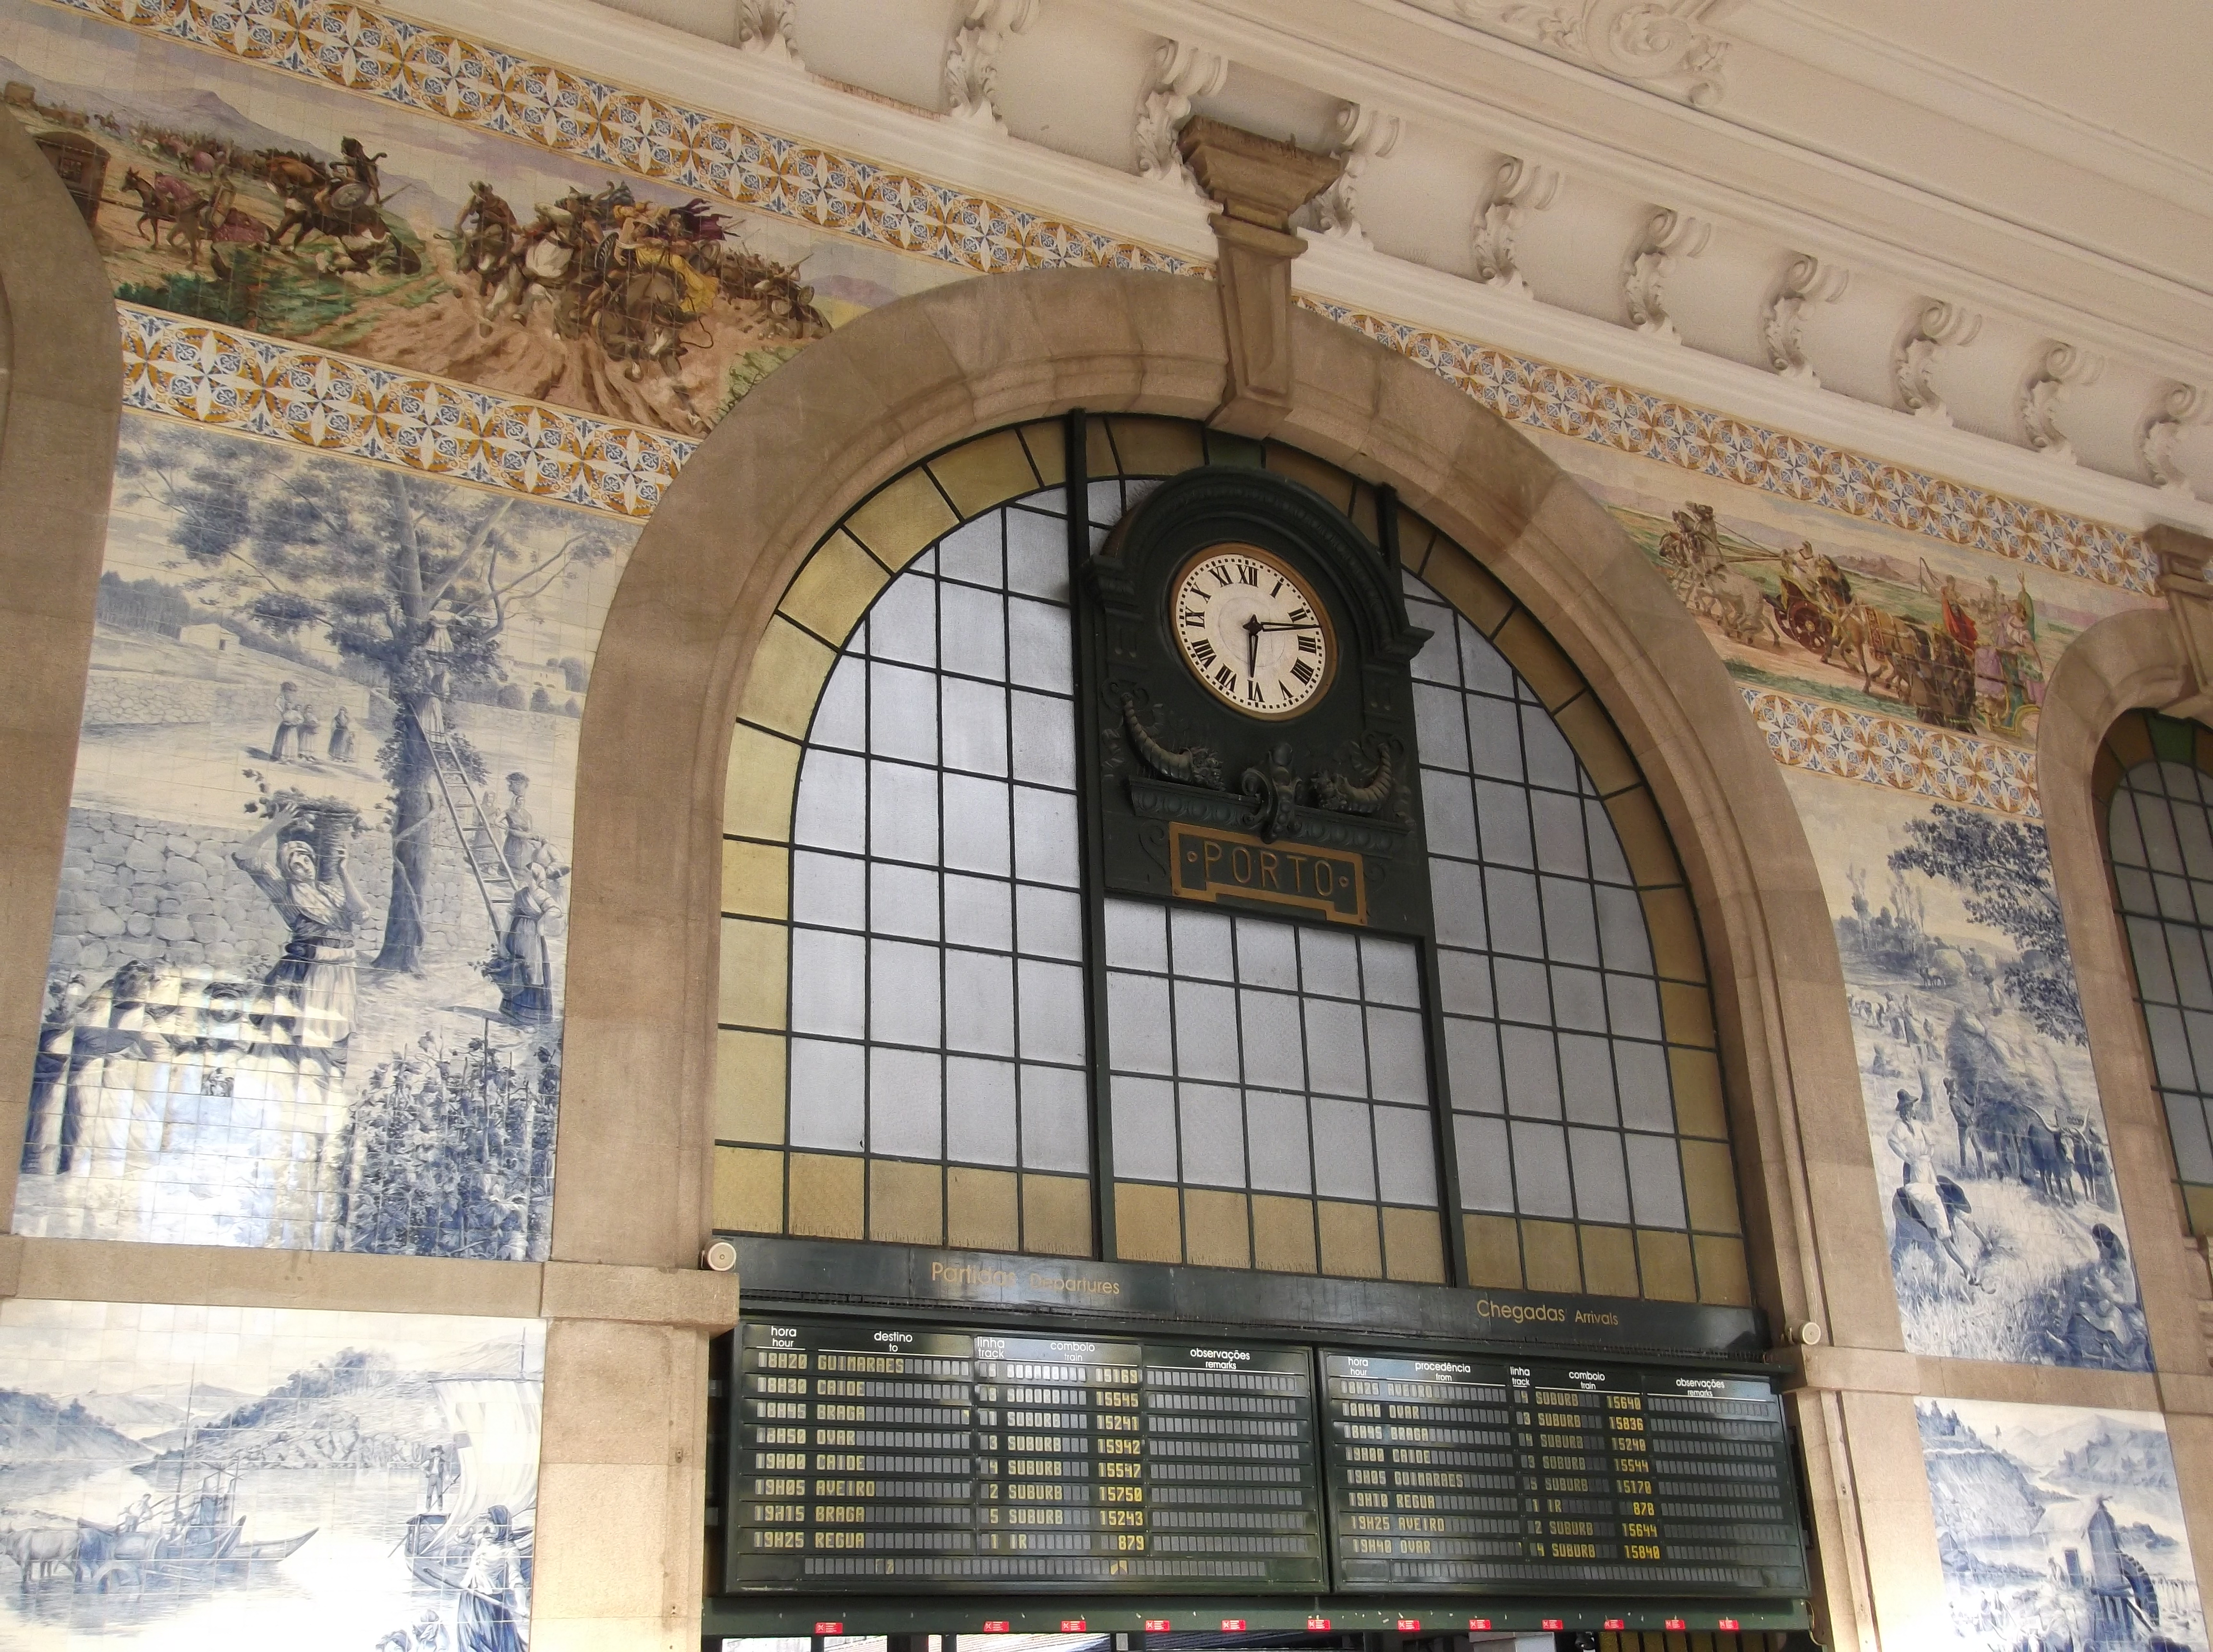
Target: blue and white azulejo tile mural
2060 1528
205 1479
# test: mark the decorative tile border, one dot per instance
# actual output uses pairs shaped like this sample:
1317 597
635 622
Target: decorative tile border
359 49
239 380
1548 398
1952 768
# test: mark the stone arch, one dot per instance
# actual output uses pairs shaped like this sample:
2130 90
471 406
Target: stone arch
61 398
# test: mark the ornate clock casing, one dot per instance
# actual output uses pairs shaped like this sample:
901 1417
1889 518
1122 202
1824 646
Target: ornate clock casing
1304 802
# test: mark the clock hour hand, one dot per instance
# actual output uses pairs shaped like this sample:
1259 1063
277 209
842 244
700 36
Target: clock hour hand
1275 625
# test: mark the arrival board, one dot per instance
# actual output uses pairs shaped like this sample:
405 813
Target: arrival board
870 1456
1471 1474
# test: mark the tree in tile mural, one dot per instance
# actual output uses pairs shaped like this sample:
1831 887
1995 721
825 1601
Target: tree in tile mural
306 967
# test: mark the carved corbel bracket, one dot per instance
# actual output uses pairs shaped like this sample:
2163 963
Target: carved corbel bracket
1669 236
1180 72
1259 183
765 29
1806 280
1363 133
1938 327
2064 367
2176 410
971 59
1519 188
2183 559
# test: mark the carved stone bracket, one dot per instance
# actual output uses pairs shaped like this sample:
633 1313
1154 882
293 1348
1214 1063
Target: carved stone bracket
1806 280
971 59
1181 73
1259 182
1363 133
764 27
1669 236
2064 367
1938 327
1519 188
2183 559
2176 410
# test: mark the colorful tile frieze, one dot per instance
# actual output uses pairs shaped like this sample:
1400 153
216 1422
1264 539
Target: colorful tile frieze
240 381
1909 757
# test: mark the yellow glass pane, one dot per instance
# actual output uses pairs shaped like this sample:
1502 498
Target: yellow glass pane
1598 743
749 1086
982 1209
833 589
824 1201
1453 575
748 1190
1550 1256
1413 1245
1687 1013
1364 515
1351 1246
1416 537
1148 1222
1156 446
785 678
1324 477
1676 949
1283 1234
758 785
1664 1259
1098 460
2130 740
1643 836
906 1201
1721 1276
902 520
1494 1252
1699 1109
1216 1230
1046 442
1056 1215
1609 1261
756 879
2198 1201
1709 1187
987 472
1550 673
754 967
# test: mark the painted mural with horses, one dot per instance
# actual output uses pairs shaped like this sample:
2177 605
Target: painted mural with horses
464 254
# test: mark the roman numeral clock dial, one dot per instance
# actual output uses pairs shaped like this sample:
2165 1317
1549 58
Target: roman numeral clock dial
1251 632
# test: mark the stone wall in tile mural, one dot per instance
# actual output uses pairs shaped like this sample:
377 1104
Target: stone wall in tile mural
306 971
2059 1527
214 1478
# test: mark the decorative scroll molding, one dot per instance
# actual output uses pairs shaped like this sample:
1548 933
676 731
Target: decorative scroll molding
1520 188
1880 751
1181 73
2177 410
2065 367
1668 236
1363 133
1654 43
764 27
1806 280
1939 327
971 59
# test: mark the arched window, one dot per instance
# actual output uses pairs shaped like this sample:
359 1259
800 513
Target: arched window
2154 782
939 1029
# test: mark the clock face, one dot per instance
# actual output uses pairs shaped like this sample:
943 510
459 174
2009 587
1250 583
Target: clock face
1251 630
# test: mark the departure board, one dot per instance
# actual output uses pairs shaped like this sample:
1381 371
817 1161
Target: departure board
1461 1474
872 1456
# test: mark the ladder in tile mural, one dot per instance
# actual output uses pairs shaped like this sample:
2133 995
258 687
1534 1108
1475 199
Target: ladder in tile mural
480 847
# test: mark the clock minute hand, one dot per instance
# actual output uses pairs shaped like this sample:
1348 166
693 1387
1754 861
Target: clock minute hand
1252 630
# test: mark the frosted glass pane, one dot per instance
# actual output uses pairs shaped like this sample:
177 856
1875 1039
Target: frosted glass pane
1397 1056
973 639
1440 729
2193 988
1199 944
1389 972
1486 1164
832 811
829 889
1335 1066
906 1108
827 975
1551 760
1558 821
1345 1155
1540 1170
1515 926
2170 1048
1633 1004
1483 666
979 1002
1456 890
1601 1185
1274 1054
1138 1022
1533 1075
902 713
975 729
1608 864
841 716
903 900
980 1111
1276 1137
1656 1181
903 989
1136 935
1205 1031
1642 1070
829 1090
1501 815
1405 1156
1267 953
2148 944
1052 922
1578 999
1329 962
1472 1066
971 553
2193 1152
2161 850
1587 1080
2174 898
1448 815
1621 930
902 812
1040 652
1144 1128
1464 981
1213 1130
1494 735
903 624
1056 1120
1571 922
1037 555
2136 890
1524 991
1051 1010
2125 842
2200 1028
976 828
1045 836
2197 842
1438 660
978 912
1045 740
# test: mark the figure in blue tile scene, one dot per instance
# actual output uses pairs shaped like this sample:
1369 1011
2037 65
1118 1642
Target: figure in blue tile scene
285 745
311 988
342 735
521 840
525 963
485 1620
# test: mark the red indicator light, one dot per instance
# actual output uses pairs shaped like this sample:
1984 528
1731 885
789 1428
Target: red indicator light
1479 1623
1069 1626
1317 1623
1552 1623
1726 1623
1156 1626
1677 1623
1617 1623
1408 1624
1233 1623
829 1629
998 1626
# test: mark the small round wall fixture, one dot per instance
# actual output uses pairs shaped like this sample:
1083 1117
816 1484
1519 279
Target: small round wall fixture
721 1257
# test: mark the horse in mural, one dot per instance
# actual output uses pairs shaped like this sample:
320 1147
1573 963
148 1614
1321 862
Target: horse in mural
319 201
